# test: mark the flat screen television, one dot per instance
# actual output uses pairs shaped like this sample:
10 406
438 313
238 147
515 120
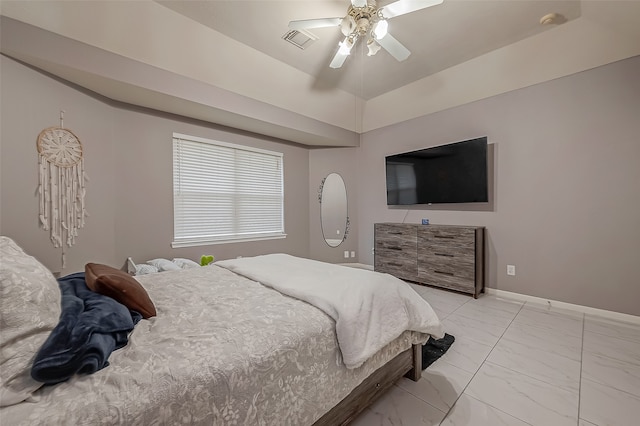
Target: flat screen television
452 173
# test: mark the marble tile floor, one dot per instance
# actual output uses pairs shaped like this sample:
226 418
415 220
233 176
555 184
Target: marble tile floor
518 363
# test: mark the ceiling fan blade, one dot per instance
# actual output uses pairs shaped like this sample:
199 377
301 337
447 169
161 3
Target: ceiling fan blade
394 47
402 7
340 56
306 24
338 60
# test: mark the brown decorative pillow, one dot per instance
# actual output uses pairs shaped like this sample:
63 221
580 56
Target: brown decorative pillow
120 286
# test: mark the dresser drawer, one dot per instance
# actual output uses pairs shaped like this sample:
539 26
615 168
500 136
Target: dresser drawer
463 268
444 252
440 238
396 238
396 249
392 262
440 278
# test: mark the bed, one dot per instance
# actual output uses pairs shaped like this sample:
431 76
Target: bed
223 349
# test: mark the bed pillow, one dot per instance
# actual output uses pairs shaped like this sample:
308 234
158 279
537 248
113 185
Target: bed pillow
185 263
144 269
120 286
29 311
164 265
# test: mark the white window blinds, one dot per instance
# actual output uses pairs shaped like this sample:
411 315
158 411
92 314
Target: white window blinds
225 193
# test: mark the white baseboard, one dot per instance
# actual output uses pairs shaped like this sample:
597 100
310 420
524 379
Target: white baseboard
617 316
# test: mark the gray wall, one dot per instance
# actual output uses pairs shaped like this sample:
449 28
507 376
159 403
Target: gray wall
128 158
145 200
31 102
565 201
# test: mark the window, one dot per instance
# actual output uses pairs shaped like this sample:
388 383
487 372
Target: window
225 193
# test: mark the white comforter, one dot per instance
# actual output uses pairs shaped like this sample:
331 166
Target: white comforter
370 309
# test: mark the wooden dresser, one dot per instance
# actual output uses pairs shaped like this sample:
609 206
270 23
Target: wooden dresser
439 255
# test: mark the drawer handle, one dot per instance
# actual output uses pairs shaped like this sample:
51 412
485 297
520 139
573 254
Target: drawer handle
444 273
444 254
446 237
395 233
395 248
395 264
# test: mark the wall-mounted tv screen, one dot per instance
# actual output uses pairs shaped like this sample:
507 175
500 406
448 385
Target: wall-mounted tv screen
453 173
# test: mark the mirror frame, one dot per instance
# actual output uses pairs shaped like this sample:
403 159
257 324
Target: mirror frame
321 196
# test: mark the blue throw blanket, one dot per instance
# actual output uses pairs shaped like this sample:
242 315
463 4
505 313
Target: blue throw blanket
91 327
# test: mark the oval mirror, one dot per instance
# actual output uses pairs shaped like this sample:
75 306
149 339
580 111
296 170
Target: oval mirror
333 210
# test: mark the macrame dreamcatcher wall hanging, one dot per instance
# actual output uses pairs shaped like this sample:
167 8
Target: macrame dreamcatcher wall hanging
61 186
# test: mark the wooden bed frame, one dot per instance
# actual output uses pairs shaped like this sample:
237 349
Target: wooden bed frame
407 363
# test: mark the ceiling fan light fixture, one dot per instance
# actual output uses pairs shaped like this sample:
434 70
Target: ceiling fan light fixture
373 48
359 3
347 25
380 29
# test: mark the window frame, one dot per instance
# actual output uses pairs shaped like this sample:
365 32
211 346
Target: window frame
235 237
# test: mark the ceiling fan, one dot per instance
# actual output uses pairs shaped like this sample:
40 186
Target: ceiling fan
365 20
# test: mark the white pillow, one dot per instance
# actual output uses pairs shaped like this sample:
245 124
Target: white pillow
164 265
29 311
144 269
185 263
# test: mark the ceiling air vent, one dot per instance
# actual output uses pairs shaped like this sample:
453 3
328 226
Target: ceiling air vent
300 38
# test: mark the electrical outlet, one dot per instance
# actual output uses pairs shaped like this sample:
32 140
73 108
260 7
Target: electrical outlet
353 254
511 269
346 254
